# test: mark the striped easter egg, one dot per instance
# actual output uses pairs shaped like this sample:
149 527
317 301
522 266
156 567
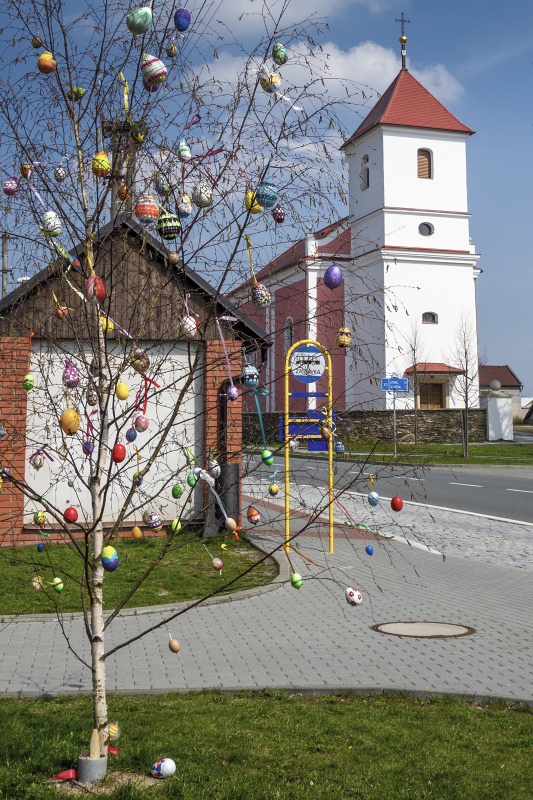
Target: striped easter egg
153 70
146 210
168 225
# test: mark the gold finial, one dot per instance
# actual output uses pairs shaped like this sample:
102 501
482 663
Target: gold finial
403 39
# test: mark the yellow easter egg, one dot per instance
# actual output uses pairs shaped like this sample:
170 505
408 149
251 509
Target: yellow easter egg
101 165
122 391
70 421
108 326
251 204
136 533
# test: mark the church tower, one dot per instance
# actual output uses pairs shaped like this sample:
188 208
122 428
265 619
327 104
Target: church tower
414 266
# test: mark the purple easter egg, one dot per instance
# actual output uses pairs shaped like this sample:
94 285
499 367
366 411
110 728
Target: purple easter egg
88 448
333 277
233 393
182 19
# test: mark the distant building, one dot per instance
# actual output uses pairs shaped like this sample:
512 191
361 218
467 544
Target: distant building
510 384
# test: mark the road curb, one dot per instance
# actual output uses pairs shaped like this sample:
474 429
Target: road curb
341 459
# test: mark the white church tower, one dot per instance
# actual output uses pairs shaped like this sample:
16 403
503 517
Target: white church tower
414 267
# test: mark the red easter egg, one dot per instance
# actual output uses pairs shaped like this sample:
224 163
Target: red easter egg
70 514
94 290
396 503
118 453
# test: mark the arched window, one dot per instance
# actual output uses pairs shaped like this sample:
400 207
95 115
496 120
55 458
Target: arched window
289 334
365 173
430 318
424 164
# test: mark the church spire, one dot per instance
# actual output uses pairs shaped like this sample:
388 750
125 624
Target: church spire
403 39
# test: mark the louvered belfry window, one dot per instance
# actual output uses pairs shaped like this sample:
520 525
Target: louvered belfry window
424 164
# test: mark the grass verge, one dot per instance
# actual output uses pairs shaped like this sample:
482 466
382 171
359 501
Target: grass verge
184 574
264 745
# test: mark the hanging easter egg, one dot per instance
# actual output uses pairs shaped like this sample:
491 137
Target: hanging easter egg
70 421
141 423
249 376
122 391
339 448
373 499
333 277
118 454
168 225
325 432
152 520
36 42
137 133
37 461
177 491
213 467
46 63
60 174
230 524
369 549
396 503
176 526
202 194
11 187
75 93
266 193
267 458
269 81
94 290
25 170
28 382
273 489
296 580
70 514
182 19
57 584
217 563
261 297
164 768
63 452
188 326
137 480
184 151
113 729
107 325
88 448
172 50
139 360
251 204
146 210
61 312
123 192
101 166
184 206
37 583
139 20
174 646
39 518
40 547
151 89
279 54
109 558
131 434
51 223
344 337
293 444
162 186
353 596
136 532
92 397
153 70
192 480
232 393
70 377
253 515
278 214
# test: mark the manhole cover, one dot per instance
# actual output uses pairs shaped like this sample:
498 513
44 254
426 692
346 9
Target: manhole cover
424 630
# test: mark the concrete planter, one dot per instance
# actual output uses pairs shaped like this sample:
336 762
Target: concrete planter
91 769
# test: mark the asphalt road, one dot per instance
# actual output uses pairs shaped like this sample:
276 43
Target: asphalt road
495 491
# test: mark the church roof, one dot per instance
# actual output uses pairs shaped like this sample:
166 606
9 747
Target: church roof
434 367
406 102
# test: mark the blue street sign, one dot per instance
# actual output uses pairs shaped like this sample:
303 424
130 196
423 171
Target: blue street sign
307 363
398 384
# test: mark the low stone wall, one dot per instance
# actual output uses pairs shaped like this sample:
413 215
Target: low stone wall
436 425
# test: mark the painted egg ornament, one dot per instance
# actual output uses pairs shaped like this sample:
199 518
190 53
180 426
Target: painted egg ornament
267 194
11 187
184 152
37 583
57 585
344 337
373 499
230 524
269 81
369 550
279 54
136 532
88 448
396 503
146 210
217 563
278 214
172 50
353 596
109 558
153 520
94 290
251 204
137 480
267 458
141 423
168 225
261 297
174 259
182 19
184 206
153 70
325 432
25 170
39 518
131 434
250 376
60 174
232 393
339 448
28 382
61 312
46 63
202 194
273 489
36 42
137 133
75 93
37 461
40 547
70 421
188 327
296 580
151 89
122 391
253 515
162 186
51 223
174 646
177 491
139 360
113 730
293 444
139 20
123 192
176 526
164 768
101 166
333 277
213 467
192 480
118 454
92 397
70 375
70 514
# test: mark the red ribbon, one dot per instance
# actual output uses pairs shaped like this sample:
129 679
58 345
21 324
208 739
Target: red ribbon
194 121
146 382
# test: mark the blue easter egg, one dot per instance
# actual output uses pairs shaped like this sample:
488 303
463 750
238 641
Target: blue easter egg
88 448
182 19
373 499
131 434
40 547
369 549
109 558
339 448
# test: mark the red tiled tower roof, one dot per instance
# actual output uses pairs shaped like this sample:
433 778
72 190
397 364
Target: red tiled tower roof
407 102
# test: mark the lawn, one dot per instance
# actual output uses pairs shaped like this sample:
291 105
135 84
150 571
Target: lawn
184 574
259 746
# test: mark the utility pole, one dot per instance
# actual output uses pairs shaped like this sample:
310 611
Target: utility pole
4 265
118 131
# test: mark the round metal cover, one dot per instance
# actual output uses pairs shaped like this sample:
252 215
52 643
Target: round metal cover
424 630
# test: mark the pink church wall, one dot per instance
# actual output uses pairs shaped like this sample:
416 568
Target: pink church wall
289 301
330 318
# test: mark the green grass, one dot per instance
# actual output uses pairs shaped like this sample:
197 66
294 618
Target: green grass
184 574
261 746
